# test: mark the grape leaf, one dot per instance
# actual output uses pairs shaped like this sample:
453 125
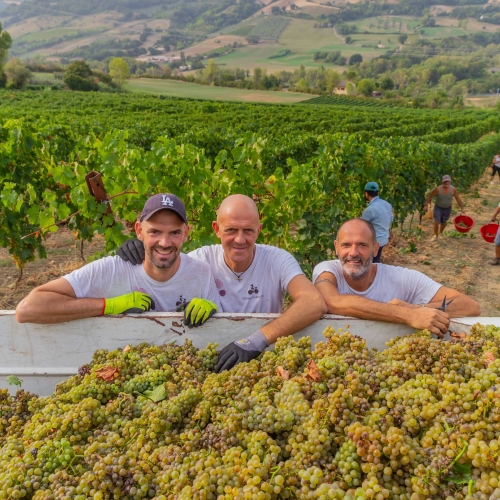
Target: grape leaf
156 395
312 371
13 380
461 473
284 374
107 373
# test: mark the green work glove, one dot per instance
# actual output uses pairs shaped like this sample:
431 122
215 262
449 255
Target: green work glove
135 302
198 311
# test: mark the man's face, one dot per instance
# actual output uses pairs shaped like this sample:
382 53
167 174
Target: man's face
355 249
163 235
446 184
238 233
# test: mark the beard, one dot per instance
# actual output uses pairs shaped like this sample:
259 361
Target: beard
359 273
162 263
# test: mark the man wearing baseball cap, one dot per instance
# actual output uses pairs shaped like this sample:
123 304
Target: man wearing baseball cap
167 280
442 209
380 213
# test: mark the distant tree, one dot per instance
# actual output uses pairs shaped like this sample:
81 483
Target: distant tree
211 71
275 11
350 89
348 39
257 76
447 81
402 39
119 71
350 75
293 6
366 86
355 59
78 76
17 74
386 83
5 43
342 61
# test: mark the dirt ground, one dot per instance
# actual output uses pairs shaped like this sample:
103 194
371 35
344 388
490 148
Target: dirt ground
455 261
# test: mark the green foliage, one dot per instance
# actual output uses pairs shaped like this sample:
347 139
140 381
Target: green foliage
355 59
17 74
119 71
365 87
306 173
78 76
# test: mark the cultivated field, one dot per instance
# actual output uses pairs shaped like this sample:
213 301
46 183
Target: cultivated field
191 90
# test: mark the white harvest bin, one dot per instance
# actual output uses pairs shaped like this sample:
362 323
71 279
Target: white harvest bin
43 355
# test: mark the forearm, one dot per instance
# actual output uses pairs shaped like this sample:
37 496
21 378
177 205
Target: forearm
302 313
359 307
461 307
495 213
48 307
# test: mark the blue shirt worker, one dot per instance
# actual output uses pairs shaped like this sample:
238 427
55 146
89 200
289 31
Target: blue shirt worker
379 212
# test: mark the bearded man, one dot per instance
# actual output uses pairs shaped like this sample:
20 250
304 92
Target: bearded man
166 281
354 286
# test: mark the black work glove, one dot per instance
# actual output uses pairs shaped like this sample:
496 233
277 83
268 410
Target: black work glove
241 351
132 251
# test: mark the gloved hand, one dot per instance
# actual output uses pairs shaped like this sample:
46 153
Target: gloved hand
135 302
243 350
132 251
198 311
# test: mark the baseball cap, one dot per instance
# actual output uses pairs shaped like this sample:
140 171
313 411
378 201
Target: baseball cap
163 202
446 178
372 186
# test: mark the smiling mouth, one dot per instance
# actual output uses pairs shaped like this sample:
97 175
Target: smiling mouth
164 253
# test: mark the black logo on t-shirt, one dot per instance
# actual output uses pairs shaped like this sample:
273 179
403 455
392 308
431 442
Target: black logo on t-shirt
253 289
181 302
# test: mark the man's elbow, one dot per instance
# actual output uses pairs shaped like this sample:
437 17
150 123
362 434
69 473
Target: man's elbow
475 308
22 312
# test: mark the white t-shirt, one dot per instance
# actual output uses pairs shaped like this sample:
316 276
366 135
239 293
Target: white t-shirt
391 282
263 285
496 160
112 276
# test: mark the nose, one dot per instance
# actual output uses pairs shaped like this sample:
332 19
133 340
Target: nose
240 238
164 241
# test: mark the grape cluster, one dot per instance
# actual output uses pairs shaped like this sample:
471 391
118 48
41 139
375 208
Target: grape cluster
419 421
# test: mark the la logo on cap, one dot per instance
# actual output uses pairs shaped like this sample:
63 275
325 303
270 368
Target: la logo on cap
166 201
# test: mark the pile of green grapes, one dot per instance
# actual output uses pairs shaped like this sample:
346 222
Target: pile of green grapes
420 420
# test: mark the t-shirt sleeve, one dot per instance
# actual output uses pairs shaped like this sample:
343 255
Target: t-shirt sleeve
288 268
326 266
197 254
418 288
367 214
92 280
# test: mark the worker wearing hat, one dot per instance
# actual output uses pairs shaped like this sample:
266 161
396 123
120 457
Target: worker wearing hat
442 209
167 280
380 213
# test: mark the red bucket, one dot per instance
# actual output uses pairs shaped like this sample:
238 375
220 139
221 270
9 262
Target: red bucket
464 219
489 231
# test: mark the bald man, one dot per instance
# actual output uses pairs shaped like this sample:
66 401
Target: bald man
251 278
354 286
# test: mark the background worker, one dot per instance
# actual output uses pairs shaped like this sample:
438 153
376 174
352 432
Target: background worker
354 286
496 260
495 166
442 208
165 280
379 212
251 278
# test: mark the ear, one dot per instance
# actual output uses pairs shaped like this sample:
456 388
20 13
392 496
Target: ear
186 233
335 245
216 228
376 247
138 230
259 230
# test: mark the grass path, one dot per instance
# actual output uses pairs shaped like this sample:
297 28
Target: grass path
194 91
